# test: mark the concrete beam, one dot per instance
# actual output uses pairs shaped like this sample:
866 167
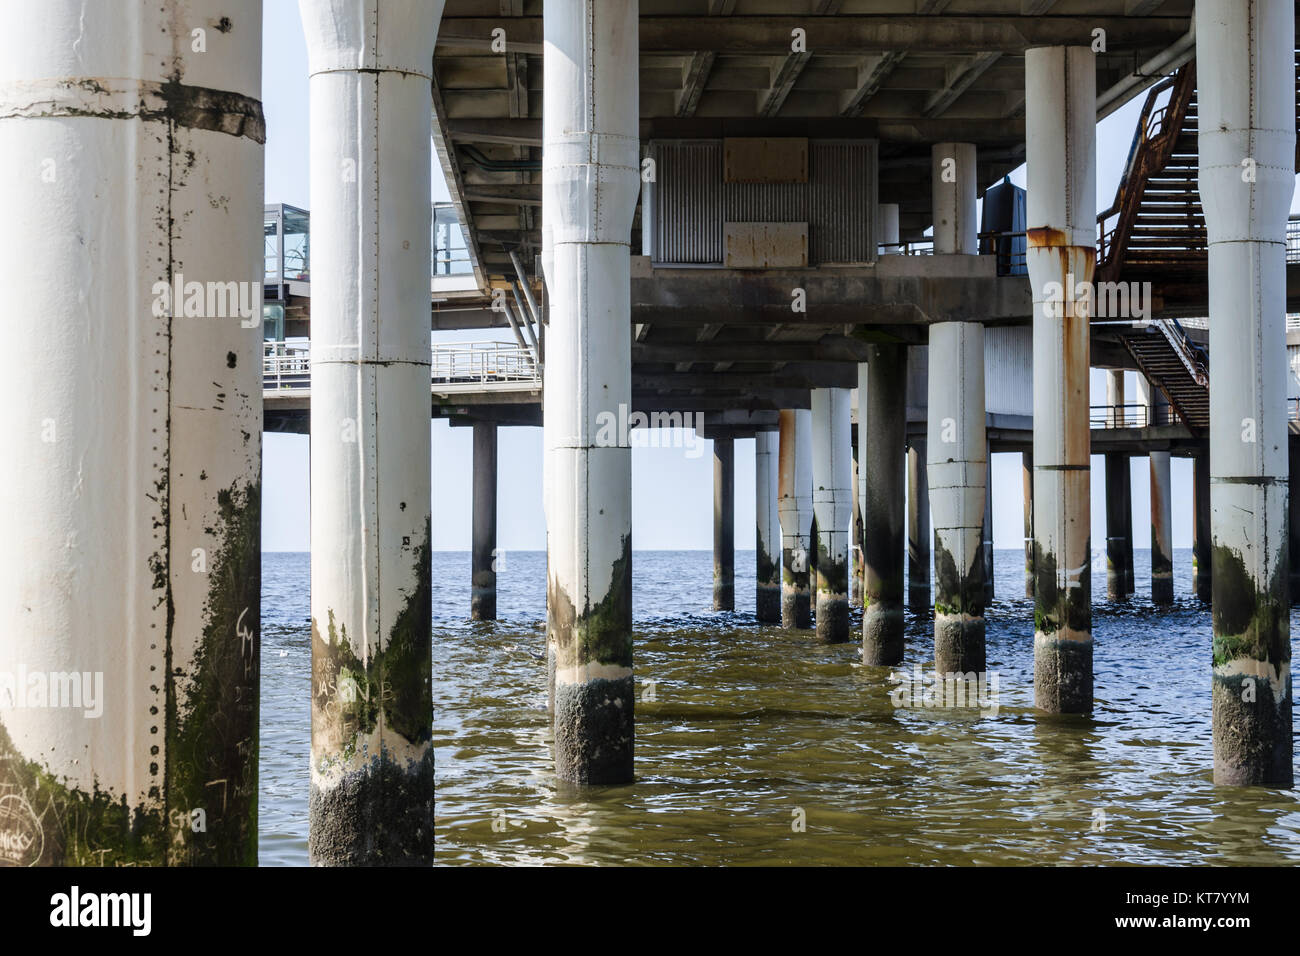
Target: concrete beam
848 34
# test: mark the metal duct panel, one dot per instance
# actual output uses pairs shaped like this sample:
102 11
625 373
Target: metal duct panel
767 202
843 201
1009 370
688 202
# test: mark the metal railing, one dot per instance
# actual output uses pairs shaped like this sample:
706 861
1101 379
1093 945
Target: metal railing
465 365
482 363
1118 416
285 366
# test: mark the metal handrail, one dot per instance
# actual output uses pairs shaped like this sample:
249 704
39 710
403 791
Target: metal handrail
1118 416
287 366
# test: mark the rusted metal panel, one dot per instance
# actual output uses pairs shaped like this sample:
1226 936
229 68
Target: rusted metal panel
765 159
766 245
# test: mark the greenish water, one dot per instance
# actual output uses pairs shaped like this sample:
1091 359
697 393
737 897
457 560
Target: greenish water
755 745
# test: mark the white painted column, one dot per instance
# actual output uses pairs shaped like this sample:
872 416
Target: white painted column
958 472
1060 129
1246 88
957 449
796 514
767 541
372 760
832 471
590 180
131 165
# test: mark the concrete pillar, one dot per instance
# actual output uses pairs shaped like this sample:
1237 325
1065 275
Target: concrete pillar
1119 498
1060 126
796 513
1119 510
767 540
372 765
1027 484
987 534
591 175
958 467
132 481
1154 401
952 193
888 228
1245 59
855 544
918 528
724 524
832 443
1115 397
1202 559
1162 545
483 575
881 444
1293 514
956 443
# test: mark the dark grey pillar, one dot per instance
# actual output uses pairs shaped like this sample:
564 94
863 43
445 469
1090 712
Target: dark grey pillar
483 583
724 524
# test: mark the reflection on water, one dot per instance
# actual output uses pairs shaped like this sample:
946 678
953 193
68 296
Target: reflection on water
756 745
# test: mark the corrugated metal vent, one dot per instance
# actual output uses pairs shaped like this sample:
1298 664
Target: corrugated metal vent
690 202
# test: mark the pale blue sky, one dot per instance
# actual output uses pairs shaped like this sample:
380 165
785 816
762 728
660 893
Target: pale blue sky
672 493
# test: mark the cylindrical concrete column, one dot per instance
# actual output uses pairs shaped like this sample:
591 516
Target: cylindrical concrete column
1293 513
590 172
953 184
724 524
1154 402
483 574
1027 485
831 466
1115 397
796 513
130 590
372 757
918 528
1162 546
958 466
855 540
767 540
881 444
987 533
1060 128
1245 63
1202 554
1119 508
887 228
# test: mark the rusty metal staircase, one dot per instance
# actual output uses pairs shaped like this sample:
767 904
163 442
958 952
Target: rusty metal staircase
1156 228
1156 222
1178 367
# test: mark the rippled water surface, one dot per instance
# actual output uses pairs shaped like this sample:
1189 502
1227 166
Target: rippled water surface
745 733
